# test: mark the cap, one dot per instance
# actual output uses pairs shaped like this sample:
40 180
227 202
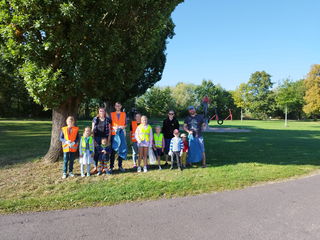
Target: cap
183 135
191 107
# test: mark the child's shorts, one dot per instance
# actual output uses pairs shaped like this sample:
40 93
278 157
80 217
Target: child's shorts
158 152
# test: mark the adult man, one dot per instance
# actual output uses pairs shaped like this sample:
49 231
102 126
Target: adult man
193 124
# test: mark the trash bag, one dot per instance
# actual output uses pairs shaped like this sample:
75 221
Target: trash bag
152 156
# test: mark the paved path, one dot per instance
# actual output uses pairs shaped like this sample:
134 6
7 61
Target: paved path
280 211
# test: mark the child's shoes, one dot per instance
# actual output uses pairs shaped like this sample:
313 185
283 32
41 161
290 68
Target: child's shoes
64 175
71 174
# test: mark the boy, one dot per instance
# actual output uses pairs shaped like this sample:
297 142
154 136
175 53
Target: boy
176 149
185 150
104 151
69 137
158 144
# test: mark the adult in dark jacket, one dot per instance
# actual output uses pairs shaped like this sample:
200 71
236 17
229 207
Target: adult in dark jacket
169 124
101 128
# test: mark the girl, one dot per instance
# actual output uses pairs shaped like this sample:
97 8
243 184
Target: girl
144 138
185 150
86 151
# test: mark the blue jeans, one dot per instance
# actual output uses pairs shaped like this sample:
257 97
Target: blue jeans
68 157
135 152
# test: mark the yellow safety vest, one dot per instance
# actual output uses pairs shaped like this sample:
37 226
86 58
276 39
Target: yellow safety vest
158 140
144 133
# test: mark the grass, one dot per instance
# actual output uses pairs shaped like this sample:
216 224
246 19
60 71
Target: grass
270 152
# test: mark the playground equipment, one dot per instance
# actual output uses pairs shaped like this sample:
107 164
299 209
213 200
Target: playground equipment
218 119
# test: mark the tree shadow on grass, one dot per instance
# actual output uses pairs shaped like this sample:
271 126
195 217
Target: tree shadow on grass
279 147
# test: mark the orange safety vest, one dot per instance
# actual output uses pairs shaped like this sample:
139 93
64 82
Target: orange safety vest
72 137
115 122
134 126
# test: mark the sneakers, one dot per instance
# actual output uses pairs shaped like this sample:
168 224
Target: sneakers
145 169
71 174
179 168
160 168
108 172
99 173
64 175
82 175
121 169
88 174
171 168
138 169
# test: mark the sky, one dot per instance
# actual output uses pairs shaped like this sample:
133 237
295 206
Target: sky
226 41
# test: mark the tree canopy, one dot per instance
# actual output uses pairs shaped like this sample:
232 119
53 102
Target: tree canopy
312 97
67 50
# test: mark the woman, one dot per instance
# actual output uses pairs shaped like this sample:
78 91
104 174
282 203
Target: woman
169 125
101 129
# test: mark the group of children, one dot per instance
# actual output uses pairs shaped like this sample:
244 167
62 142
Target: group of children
143 140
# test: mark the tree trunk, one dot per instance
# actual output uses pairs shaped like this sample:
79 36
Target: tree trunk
59 116
286 117
241 114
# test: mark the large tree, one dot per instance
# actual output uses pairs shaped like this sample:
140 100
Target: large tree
107 49
312 97
259 94
289 97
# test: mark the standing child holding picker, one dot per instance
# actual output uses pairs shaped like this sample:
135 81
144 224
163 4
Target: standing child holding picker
176 149
185 150
144 138
86 151
158 146
69 137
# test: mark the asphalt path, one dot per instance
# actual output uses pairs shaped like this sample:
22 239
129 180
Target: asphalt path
285 210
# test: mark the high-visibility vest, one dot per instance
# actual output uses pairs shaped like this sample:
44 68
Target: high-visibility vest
84 144
144 133
158 140
115 121
72 138
134 126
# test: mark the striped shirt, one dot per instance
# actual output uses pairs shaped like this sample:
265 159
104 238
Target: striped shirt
176 144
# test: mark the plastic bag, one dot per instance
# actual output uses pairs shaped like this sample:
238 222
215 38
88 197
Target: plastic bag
152 157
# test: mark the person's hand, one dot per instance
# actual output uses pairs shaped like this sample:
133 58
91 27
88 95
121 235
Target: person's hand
170 153
162 150
154 148
72 143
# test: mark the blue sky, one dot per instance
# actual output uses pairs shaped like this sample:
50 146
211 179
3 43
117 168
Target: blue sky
225 41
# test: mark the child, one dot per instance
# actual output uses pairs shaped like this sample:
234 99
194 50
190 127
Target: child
69 137
185 150
144 138
176 149
133 127
158 144
104 151
86 151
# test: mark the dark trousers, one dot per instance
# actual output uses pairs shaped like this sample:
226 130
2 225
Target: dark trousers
112 159
68 157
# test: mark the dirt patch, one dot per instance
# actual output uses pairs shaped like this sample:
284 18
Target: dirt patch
223 130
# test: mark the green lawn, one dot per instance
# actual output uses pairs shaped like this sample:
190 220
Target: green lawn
235 160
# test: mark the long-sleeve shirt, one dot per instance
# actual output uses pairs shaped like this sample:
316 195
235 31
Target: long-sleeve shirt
176 144
169 126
